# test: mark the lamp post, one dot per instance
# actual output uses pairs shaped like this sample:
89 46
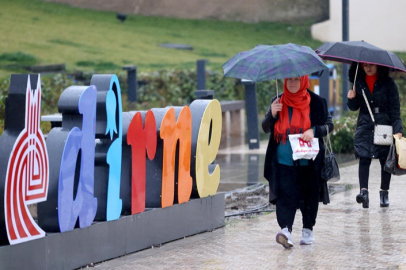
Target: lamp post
201 74
252 113
131 83
346 35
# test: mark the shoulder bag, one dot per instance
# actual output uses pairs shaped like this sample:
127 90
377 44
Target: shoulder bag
383 134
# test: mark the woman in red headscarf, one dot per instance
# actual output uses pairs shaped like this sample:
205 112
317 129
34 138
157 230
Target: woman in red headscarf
296 184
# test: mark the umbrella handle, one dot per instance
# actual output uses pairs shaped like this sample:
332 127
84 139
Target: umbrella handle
277 92
355 79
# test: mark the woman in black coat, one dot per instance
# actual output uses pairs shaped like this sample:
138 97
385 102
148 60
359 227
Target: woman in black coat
296 184
383 97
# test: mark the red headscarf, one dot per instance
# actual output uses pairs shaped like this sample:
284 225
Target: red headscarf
300 102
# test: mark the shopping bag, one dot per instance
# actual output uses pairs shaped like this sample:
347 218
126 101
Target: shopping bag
302 149
400 151
391 164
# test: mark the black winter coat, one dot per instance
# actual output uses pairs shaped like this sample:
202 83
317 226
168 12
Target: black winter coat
319 118
385 97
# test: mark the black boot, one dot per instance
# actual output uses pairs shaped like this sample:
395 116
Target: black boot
363 198
384 198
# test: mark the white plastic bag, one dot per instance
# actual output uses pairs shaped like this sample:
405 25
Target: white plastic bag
302 149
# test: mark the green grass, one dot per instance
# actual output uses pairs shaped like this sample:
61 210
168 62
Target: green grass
94 40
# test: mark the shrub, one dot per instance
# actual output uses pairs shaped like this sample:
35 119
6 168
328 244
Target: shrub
177 87
166 88
342 138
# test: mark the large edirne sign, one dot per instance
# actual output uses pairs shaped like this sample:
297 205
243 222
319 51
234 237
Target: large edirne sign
102 163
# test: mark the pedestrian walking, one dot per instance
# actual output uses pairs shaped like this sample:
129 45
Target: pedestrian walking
383 97
296 184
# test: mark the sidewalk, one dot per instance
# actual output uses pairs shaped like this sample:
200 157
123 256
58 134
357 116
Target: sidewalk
346 237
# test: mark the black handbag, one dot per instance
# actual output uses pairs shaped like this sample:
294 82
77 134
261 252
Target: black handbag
391 164
330 171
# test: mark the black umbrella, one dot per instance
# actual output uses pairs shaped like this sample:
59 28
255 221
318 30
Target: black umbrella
359 51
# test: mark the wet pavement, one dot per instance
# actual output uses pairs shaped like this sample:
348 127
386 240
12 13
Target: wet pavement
346 235
240 167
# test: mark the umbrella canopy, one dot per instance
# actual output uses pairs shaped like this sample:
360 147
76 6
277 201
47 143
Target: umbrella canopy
266 62
359 51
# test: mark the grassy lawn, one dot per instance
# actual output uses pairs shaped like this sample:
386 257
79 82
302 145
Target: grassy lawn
46 33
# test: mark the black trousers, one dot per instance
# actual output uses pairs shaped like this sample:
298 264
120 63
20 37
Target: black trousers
296 190
363 173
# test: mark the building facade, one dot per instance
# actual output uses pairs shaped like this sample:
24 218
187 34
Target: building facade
377 22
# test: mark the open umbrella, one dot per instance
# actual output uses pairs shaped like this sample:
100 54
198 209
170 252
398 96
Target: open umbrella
361 52
266 62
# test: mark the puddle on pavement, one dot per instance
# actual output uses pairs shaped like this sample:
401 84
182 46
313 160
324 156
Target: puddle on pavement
240 170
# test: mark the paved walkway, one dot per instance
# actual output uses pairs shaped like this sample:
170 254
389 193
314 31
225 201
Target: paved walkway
346 237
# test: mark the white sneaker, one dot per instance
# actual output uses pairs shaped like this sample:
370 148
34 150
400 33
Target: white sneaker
284 238
307 237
